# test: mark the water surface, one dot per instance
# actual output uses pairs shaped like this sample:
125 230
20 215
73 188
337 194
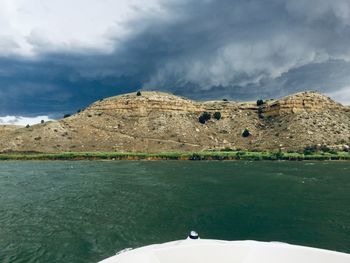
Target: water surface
56 211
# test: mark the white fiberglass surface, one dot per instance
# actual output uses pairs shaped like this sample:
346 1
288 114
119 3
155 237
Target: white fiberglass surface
210 251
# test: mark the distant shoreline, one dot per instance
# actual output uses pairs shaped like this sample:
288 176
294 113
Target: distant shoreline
221 156
157 122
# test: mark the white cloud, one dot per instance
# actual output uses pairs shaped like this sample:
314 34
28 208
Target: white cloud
342 95
38 26
19 120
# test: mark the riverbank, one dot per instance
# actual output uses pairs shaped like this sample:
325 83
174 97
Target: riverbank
230 155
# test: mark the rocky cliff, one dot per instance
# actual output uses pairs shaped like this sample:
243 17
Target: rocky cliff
155 122
299 103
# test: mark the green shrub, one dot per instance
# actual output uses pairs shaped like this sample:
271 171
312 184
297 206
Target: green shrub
138 93
27 126
217 115
310 149
240 154
278 155
332 151
66 115
259 102
195 157
325 148
246 133
204 117
42 121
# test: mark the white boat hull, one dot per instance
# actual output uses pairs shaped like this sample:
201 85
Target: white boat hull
217 251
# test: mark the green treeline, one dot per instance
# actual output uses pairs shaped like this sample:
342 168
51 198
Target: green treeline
209 155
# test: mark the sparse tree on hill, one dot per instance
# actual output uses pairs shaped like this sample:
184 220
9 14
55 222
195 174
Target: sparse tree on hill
201 119
246 133
204 117
138 93
217 115
259 102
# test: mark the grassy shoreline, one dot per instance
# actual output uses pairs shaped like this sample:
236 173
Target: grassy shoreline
238 155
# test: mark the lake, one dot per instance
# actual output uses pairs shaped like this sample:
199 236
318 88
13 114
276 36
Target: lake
84 211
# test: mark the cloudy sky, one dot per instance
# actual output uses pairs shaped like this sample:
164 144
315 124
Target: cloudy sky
57 56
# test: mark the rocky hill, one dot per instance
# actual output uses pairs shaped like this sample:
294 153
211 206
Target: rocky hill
157 122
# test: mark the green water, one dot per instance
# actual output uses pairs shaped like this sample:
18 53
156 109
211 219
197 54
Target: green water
86 211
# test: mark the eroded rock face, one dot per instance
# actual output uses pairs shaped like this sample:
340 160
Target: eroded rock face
300 102
141 106
147 102
156 122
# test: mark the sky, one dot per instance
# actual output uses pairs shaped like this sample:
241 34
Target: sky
58 56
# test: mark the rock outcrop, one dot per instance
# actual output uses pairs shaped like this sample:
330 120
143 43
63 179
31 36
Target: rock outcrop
300 102
156 121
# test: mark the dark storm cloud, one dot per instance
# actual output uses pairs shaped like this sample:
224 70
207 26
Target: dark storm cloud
56 84
246 48
237 49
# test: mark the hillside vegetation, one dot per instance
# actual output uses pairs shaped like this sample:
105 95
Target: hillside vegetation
155 122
